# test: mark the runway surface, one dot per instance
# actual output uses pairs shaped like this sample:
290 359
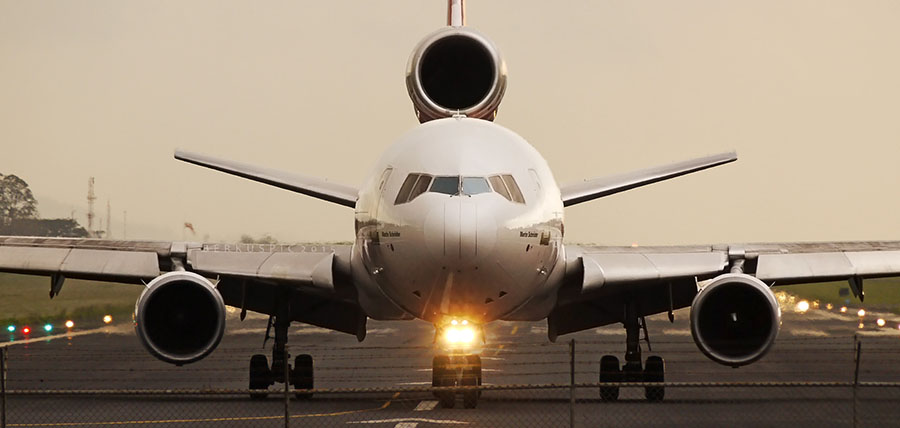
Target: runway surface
817 346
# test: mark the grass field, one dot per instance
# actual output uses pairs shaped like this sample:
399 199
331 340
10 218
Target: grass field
25 299
883 294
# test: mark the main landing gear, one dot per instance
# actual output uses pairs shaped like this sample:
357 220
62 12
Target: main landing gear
262 375
456 370
652 371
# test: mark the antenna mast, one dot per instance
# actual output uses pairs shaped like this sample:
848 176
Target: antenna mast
91 197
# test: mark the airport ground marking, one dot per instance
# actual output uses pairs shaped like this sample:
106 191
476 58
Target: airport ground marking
425 405
408 420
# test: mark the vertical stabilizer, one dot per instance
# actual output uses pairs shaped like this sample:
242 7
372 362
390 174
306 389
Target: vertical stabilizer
456 13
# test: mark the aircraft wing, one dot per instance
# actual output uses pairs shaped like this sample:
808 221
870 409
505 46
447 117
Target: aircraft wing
248 276
600 279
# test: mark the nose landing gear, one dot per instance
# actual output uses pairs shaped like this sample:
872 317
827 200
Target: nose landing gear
456 370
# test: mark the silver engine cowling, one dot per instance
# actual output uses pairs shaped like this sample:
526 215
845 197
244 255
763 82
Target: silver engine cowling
735 319
180 317
456 70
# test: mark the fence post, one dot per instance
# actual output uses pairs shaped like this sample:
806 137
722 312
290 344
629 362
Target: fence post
3 387
856 378
287 387
572 383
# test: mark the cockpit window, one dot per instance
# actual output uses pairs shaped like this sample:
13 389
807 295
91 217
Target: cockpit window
499 187
475 185
407 186
513 189
417 184
446 185
421 186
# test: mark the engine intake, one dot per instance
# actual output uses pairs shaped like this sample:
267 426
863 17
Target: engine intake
456 70
735 319
180 317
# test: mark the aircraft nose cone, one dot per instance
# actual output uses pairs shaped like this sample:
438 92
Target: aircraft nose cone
457 233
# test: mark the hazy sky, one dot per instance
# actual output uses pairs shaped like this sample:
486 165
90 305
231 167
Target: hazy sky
807 92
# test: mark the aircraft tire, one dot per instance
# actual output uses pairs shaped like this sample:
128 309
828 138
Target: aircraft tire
609 372
441 377
302 376
654 371
259 376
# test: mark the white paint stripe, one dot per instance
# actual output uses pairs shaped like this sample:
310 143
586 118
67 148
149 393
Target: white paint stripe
425 405
413 383
808 332
406 425
423 420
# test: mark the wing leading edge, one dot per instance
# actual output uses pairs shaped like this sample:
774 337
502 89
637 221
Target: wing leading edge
599 187
310 186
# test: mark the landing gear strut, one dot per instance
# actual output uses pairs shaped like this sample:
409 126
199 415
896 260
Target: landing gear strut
262 375
456 370
632 371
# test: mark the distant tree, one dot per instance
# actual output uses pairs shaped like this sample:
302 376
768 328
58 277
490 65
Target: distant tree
16 200
265 239
57 227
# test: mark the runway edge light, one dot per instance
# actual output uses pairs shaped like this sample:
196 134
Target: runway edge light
11 328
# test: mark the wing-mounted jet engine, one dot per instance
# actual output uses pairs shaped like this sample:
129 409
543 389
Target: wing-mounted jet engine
180 317
735 319
456 70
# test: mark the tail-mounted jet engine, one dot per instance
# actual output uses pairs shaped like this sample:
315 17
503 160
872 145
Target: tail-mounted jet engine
735 319
180 317
456 70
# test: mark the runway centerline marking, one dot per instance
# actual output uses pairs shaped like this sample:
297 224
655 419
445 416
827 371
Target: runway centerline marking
425 405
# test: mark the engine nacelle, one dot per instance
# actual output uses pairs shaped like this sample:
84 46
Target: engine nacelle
456 70
735 319
180 317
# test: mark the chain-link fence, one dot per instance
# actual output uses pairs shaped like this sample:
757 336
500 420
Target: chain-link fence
808 382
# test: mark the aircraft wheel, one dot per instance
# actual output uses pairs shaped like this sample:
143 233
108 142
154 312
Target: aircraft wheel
259 376
654 371
441 376
609 372
471 377
302 375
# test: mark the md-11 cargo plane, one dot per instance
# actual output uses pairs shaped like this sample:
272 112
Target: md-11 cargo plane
460 223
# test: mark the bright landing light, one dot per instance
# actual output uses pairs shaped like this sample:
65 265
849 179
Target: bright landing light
70 324
861 313
880 322
459 335
802 306
107 319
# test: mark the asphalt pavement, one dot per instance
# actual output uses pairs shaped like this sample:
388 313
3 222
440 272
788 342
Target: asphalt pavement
816 346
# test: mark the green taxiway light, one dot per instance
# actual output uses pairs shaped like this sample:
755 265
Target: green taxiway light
11 328
48 327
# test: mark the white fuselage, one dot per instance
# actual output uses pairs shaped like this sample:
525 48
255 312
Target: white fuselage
480 250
